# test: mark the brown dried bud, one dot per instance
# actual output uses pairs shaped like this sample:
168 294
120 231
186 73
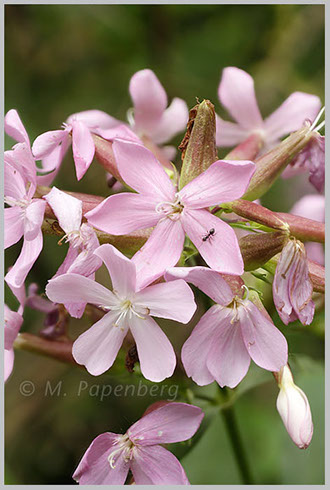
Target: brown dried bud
257 249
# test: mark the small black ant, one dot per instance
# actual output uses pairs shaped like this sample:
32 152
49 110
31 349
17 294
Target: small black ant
209 235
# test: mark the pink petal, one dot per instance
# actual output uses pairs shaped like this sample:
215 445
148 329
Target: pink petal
73 288
15 128
221 251
29 254
173 121
122 132
52 163
156 354
94 119
311 206
14 225
142 171
223 181
85 263
8 363
266 345
44 144
34 216
67 209
149 99
173 300
94 467
162 250
173 422
97 348
121 269
205 279
154 465
229 133
13 323
14 185
195 350
236 93
228 359
70 257
83 148
21 158
129 212
291 115
301 290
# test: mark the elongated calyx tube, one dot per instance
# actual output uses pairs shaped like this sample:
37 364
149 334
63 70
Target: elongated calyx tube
258 248
198 146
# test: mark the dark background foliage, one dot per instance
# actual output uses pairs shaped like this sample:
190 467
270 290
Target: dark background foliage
61 59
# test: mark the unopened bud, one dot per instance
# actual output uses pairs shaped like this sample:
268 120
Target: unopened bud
293 407
105 156
271 164
258 248
198 146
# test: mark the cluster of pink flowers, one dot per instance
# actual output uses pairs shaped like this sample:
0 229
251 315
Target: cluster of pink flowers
150 284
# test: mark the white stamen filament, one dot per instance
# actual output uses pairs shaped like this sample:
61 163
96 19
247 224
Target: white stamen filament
124 445
22 203
316 120
130 117
172 209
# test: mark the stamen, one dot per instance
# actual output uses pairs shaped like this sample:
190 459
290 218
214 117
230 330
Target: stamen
316 120
247 292
320 126
130 117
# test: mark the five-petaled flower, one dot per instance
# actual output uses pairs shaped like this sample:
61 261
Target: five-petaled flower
173 213
127 307
111 456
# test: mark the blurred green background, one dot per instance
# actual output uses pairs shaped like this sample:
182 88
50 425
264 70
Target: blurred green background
61 59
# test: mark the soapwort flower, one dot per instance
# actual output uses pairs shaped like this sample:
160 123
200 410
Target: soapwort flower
293 407
173 213
237 95
127 307
111 456
229 334
292 286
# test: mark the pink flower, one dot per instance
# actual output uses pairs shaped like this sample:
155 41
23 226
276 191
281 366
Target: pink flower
292 286
236 93
152 117
229 335
173 213
82 240
109 458
23 217
128 307
312 206
78 128
13 323
293 407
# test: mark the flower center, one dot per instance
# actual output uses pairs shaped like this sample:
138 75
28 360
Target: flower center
74 237
123 446
127 309
22 203
171 210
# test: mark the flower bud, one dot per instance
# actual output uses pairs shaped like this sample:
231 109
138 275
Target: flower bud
259 248
271 164
293 407
198 146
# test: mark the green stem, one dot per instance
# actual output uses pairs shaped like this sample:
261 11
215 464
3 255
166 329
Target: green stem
230 421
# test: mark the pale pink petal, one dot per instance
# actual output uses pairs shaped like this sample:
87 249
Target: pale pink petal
173 422
83 148
13 323
76 310
97 348
205 279
70 257
142 171
195 350
173 300
73 288
94 467
228 359
315 252
121 269
149 99
124 213
14 225
156 354
122 132
223 181
291 115
221 251
67 209
8 363
29 254
236 93
21 158
52 163
172 122
229 133
162 250
301 289
94 119
85 263
15 128
169 152
34 216
311 206
14 185
44 144
155 465
266 345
